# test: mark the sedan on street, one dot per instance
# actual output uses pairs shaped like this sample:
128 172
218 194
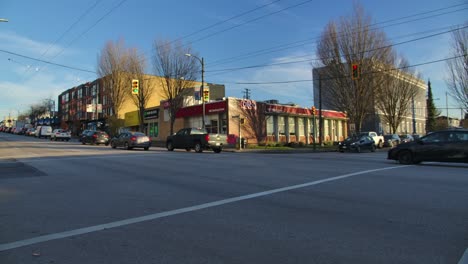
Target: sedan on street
357 143
443 146
95 138
130 140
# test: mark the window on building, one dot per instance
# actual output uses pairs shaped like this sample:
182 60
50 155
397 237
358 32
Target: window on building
153 129
300 123
281 125
269 125
212 126
292 125
223 124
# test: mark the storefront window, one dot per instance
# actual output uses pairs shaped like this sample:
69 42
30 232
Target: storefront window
300 123
153 129
224 125
281 125
292 125
269 125
212 127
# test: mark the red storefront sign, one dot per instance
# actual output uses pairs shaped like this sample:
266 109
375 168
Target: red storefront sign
196 110
283 109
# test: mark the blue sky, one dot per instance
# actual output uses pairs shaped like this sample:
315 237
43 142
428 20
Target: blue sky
72 33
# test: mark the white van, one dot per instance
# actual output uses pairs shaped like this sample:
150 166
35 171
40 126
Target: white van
43 131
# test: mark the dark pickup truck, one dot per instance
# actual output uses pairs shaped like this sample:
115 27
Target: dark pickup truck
197 139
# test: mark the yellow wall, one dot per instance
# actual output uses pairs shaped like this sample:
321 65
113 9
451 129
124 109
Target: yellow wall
155 99
131 119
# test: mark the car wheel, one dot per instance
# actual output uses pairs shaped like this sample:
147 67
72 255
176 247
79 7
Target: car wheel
188 149
146 148
341 151
217 150
169 146
82 142
126 146
113 145
198 147
372 149
405 157
68 139
107 144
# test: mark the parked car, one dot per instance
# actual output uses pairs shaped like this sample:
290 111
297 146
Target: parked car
84 132
357 143
95 138
43 131
444 146
406 138
60 134
131 139
30 132
196 138
378 140
391 140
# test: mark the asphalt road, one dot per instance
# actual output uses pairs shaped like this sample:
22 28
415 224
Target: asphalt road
61 202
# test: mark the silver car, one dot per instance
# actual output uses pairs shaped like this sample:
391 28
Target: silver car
131 139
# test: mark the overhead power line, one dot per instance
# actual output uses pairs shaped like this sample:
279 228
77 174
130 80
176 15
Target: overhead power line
47 62
236 26
311 40
316 59
348 76
79 19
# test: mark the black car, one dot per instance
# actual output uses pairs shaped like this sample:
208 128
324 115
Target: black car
357 143
391 140
131 139
95 137
443 146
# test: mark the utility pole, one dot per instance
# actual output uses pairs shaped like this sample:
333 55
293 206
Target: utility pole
320 112
414 116
446 106
246 93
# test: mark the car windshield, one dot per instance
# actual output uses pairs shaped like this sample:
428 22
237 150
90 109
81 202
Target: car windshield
353 138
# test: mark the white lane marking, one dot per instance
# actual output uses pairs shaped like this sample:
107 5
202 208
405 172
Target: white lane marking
464 258
129 221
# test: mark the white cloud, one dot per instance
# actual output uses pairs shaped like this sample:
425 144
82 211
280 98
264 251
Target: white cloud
300 93
26 46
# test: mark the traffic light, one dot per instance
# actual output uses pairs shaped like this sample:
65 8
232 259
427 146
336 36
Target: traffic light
206 95
135 86
314 111
354 71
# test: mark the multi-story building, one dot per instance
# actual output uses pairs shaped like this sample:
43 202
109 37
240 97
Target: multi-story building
264 121
88 106
414 122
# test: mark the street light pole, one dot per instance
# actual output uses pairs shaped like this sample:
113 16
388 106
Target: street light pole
446 106
3 20
202 85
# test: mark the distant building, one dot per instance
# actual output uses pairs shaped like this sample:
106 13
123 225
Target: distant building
414 122
88 106
262 122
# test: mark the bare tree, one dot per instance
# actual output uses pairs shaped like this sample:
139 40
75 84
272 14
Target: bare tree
254 114
457 81
396 94
343 43
112 68
136 66
177 73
